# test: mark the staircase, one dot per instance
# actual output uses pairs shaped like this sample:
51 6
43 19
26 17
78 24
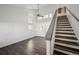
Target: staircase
65 39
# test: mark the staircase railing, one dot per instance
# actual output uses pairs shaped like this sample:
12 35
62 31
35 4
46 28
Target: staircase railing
74 21
72 14
49 34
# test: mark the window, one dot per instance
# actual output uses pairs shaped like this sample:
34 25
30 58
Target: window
46 16
30 21
50 15
40 17
30 27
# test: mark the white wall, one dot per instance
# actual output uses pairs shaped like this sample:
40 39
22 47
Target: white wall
43 24
75 24
14 24
18 24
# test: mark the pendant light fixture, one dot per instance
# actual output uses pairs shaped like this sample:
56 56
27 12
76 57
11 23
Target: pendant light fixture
38 15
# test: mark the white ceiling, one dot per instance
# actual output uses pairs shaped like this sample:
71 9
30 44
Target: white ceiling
29 6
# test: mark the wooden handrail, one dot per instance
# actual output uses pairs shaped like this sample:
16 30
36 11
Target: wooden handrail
73 14
51 28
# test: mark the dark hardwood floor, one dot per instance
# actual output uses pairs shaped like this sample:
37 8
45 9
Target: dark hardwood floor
32 46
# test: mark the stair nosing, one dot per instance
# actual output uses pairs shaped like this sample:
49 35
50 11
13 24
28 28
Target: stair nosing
63 26
66 52
65 35
65 31
68 45
67 40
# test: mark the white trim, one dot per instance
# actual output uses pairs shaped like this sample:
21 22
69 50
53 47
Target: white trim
53 38
48 46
